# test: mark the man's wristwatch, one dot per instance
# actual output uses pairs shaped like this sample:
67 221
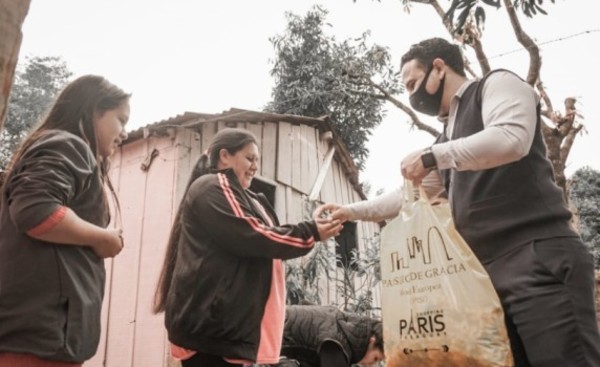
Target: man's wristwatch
428 159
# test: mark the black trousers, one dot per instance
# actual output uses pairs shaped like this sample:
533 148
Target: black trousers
207 360
547 291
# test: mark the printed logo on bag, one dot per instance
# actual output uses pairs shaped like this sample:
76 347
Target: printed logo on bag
417 254
423 324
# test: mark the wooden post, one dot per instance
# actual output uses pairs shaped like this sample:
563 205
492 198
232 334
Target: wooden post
12 15
316 189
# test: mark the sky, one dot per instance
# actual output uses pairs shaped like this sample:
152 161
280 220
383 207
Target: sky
209 56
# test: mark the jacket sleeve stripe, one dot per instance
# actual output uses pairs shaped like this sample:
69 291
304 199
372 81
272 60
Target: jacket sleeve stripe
49 222
255 224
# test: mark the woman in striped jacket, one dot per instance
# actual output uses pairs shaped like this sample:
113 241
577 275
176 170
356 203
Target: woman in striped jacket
222 286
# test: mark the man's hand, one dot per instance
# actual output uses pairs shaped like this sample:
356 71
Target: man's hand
333 211
412 167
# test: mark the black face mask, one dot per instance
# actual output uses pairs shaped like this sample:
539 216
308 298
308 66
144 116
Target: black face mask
424 102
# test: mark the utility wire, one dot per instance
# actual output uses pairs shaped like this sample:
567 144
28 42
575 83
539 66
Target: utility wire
590 31
547 42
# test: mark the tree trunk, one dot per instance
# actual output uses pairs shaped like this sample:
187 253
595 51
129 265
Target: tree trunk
12 15
598 296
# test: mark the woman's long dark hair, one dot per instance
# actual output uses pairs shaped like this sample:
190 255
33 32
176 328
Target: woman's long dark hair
230 139
74 111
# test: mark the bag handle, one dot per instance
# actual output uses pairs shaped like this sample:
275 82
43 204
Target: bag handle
409 193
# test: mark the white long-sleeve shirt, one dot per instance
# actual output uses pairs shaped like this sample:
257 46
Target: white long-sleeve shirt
508 110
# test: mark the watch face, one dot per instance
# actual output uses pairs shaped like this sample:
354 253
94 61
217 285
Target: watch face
428 160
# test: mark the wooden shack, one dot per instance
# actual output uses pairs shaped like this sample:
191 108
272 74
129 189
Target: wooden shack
303 162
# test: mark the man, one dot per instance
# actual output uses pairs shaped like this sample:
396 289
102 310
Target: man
323 336
491 162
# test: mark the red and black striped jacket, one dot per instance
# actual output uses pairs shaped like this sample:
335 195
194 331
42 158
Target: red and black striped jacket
224 265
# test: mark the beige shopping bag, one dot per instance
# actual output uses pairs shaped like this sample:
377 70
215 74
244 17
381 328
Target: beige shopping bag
439 307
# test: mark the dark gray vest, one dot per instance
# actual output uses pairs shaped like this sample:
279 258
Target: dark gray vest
499 209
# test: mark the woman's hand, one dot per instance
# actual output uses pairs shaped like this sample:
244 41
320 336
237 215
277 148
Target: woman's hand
72 230
109 244
328 227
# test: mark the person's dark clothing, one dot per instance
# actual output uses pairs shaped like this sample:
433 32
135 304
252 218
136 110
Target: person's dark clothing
499 209
332 354
51 294
207 360
323 336
547 293
224 266
515 219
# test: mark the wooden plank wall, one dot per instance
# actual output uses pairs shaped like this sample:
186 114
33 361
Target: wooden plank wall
337 188
125 270
269 150
300 156
132 335
98 359
160 180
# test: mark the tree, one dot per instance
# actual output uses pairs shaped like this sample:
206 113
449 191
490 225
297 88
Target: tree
315 75
560 128
464 20
36 85
12 15
585 196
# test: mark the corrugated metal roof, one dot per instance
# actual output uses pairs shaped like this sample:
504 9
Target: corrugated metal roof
192 120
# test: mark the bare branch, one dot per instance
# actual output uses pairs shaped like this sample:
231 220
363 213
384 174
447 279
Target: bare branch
547 114
481 56
542 90
367 94
415 119
568 142
567 122
535 61
473 40
442 13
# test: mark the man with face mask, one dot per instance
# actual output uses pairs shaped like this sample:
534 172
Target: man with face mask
491 163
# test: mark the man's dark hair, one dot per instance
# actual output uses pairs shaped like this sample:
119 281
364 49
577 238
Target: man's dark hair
378 334
430 49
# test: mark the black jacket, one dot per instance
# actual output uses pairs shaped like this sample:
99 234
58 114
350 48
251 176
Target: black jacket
223 270
50 294
307 328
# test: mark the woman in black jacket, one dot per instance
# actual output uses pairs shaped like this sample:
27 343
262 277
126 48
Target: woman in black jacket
53 228
222 286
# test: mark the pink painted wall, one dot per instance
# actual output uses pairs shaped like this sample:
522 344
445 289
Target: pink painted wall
131 334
